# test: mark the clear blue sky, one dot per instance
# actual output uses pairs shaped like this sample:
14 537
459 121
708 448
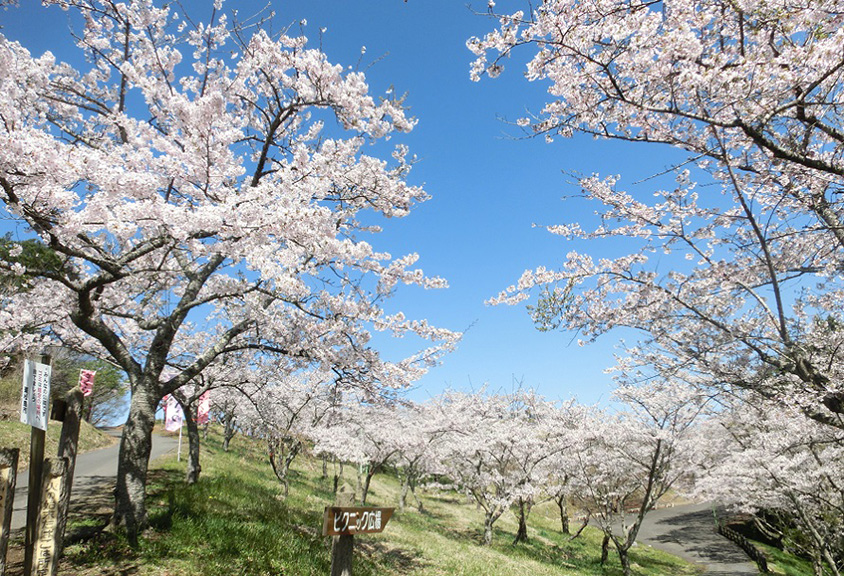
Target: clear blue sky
488 188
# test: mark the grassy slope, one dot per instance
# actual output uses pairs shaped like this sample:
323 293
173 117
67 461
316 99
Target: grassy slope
17 435
13 434
235 522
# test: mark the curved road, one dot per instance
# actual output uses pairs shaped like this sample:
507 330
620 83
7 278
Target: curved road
689 532
92 470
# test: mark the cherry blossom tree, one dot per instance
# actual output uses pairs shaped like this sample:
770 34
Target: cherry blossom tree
740 280
423 429
286 409
559 470
495 449
785 469
627 460
365 434
201 185
227 404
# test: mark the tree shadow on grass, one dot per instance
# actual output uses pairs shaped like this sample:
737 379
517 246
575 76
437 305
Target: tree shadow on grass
402 561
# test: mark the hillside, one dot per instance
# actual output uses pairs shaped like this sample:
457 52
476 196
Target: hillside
13 434
236 522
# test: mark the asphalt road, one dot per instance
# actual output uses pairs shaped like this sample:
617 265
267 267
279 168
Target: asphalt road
688 532
93 469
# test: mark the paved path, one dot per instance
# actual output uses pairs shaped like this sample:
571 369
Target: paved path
93 469
688 532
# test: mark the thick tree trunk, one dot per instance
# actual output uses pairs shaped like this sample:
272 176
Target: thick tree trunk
130 492
193 470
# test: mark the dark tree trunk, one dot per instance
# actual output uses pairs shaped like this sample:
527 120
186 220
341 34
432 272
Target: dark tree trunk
228 430
624 558
281 458
405 488
365 487
337 475
581 529
563 505
189 409
193 469
605 549
88 410
524 511
135 446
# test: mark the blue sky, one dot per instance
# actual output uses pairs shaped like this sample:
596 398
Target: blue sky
488 187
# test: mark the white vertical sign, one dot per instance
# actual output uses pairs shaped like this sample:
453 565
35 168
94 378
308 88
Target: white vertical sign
173 414
35 395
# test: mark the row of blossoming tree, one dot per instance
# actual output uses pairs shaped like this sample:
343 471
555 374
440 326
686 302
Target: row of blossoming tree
190 198
507 452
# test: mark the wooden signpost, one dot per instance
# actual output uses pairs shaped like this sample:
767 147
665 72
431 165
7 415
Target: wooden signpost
343 523
8 476
50 525
35 401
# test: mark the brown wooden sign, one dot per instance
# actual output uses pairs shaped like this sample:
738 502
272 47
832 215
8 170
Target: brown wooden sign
343 521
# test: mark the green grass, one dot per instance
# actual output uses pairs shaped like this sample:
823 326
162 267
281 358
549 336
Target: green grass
234 521
784 564
14 434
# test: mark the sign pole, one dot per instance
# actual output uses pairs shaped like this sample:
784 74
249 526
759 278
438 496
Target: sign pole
179 451
36 463
342 550
8 476
51 524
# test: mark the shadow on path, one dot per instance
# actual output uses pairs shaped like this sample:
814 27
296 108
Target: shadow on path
689 532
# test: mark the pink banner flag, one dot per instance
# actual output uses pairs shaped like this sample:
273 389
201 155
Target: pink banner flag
86 382
204 408
172 415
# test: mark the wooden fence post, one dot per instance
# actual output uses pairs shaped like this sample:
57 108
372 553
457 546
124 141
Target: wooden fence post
50 525
8 477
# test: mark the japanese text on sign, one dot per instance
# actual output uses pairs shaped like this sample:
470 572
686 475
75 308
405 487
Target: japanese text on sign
340 521
35 395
